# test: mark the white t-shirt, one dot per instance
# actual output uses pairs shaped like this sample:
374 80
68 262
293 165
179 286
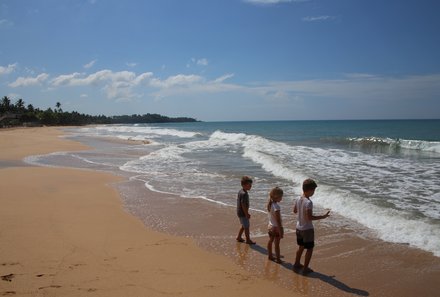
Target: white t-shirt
302 205
272 218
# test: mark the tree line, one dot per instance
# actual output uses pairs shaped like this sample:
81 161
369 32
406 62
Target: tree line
18 114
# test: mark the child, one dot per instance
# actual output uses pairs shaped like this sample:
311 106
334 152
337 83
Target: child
305 235
276 230
243 209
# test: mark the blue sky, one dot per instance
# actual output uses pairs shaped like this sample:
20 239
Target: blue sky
223 60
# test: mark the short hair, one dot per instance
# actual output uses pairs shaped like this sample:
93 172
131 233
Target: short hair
309 184
246 180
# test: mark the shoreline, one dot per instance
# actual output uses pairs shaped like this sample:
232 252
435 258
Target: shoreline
345 264
64 232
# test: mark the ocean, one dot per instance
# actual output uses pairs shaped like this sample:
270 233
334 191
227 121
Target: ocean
379 177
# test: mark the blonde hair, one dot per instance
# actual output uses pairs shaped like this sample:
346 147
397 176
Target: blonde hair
274 193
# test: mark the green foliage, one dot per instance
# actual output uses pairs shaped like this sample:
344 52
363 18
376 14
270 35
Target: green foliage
18 114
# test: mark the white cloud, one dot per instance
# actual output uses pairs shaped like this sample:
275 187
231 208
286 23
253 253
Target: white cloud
223 78
143 78
198 62
116 85
8 69
318 18
176 80
202 62
65 79
193 84
131 64
90 65
360 75
29 81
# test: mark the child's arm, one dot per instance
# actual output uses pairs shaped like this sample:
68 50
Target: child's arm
311 217
245 209
279 222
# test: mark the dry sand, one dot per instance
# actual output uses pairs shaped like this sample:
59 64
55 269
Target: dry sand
64 232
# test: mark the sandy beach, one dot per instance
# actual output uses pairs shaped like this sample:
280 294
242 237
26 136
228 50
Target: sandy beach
68 232
64 232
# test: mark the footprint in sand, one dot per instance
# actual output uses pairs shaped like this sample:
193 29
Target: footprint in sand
10 264
53 286
8 293
8 277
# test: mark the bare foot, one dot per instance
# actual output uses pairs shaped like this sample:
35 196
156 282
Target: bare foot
239 239
298 266
307 271
250 242
276 260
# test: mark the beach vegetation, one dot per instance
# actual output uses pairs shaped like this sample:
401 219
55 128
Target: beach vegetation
18 114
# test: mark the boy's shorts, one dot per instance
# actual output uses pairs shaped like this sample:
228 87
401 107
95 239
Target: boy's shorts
244 222
306 238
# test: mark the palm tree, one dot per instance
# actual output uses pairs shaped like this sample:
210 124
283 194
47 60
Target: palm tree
5 104
58 106
19 105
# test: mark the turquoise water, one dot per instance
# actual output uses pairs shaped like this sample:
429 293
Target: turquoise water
383 175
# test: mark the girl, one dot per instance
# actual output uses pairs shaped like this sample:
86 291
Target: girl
275 228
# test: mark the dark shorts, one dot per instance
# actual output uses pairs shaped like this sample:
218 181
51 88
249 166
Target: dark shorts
244 222
306 238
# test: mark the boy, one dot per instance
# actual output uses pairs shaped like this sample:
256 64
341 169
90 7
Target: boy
243 209
305 235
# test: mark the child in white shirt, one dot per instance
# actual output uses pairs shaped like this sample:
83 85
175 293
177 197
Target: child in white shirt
275 228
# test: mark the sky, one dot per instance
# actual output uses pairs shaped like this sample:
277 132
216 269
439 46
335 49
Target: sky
225 60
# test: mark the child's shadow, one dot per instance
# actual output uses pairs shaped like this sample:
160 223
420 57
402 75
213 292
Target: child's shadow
331 280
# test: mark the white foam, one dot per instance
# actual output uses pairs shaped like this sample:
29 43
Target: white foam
419 145
389 224
139 131
429 146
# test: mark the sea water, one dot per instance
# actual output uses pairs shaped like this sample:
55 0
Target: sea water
382 176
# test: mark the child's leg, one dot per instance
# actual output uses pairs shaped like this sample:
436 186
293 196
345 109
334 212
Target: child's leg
248 236
269 247
240 233
307 259
299 253
277 248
